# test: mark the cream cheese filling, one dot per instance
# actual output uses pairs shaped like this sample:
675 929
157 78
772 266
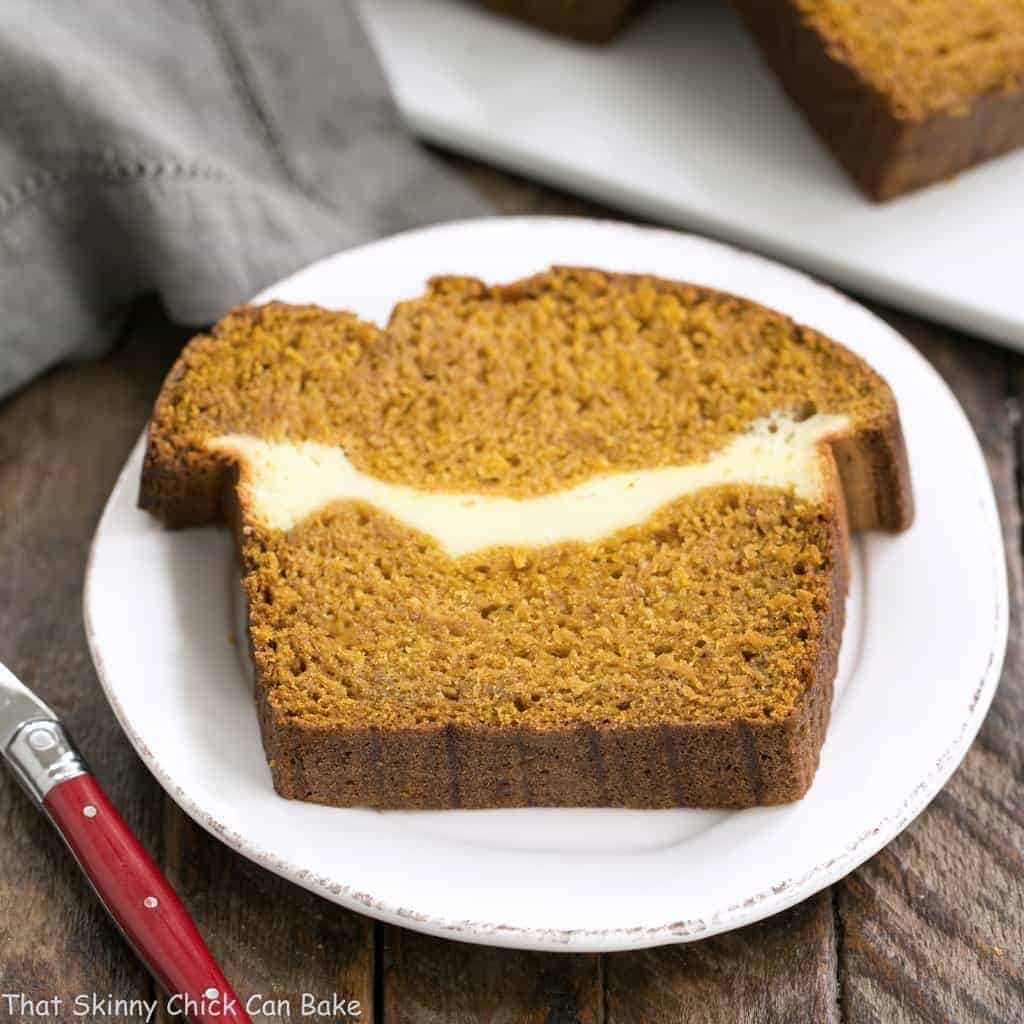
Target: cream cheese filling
284 482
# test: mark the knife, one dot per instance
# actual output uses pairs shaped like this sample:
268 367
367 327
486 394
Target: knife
128 882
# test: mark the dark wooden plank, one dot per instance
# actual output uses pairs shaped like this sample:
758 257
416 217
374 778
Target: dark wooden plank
277 943
514 195
779 970
62 443
435 981
932 928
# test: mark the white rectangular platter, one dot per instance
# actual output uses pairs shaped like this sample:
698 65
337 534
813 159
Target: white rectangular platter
678 121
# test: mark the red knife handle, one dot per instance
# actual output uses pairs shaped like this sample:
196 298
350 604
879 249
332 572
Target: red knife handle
142 903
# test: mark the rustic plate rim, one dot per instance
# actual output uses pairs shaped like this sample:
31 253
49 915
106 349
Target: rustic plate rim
751 908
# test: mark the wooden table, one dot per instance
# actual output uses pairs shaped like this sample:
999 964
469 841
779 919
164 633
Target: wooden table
931 929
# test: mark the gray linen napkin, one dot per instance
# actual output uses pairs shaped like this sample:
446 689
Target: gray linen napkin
200 149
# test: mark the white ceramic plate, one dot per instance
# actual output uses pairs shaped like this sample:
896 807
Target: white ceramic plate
679 121
921 655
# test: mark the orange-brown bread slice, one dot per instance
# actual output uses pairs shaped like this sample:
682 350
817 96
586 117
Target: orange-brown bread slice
457 596
904 92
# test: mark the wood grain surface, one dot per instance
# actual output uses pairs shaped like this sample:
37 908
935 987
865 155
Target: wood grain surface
929 930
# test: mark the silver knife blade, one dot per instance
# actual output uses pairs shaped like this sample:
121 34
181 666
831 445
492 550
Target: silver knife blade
18 705
32 740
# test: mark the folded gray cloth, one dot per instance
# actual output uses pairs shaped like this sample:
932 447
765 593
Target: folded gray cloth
200 149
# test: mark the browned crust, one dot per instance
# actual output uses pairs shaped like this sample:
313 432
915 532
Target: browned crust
183 484
731 765
885 154
596 21
875 475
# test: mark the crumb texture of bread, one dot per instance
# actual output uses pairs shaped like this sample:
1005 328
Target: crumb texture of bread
365 621
684 660
927 56
516 390
905 92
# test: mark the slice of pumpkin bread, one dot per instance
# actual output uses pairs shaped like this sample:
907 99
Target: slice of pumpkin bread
577 540
904 92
